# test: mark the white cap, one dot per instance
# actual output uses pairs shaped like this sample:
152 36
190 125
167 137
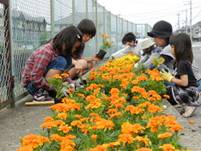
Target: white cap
146 43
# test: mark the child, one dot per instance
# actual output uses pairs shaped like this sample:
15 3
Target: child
88 28
52 58
185 90
161 33
129 41
148 50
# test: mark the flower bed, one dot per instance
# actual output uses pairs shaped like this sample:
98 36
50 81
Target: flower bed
120 109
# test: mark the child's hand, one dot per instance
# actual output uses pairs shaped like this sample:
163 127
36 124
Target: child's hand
166 76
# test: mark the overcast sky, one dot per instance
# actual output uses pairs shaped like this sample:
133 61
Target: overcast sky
151 11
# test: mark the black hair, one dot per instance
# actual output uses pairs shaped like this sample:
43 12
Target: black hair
183 47
67 37
87 26
129 37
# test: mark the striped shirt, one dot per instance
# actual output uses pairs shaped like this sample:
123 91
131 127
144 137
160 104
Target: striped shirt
36 66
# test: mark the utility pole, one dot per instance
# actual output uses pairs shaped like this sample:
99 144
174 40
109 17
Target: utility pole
191 19
186 21
189 3
178 20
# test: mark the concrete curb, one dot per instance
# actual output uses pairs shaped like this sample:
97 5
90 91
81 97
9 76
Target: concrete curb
189 137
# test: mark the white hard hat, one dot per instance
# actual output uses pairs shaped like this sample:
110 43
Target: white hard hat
146 43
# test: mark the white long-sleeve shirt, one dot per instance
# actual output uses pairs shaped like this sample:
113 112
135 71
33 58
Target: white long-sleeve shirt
123 52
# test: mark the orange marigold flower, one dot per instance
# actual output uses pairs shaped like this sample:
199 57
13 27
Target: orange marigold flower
142 78
93 105
52 124
48 119
65 75
94 137
63 107
113 113
62 116
93 86
67 145
78 116
154 108
167 147
125 138
81 95
84 128
76 123
135 82
25 148
114 91
127 128
144 149
124 83
64 128
165 135
139 90
164 120
34 141
113 144
91 98
155 75
153 96
142 140
99 148
56 137
103 124
134 110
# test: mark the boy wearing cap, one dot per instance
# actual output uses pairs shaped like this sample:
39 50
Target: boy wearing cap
149 52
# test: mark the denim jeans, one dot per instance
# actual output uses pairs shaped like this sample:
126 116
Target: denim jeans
31 88
199 85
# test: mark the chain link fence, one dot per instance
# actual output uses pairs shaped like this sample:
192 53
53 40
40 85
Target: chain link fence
34 22
6 81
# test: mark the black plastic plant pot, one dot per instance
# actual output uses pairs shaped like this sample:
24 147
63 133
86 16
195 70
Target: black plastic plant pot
101 54
57 100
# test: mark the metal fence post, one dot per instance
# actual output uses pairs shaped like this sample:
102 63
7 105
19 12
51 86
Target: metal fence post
87 12
73 12
117 33
52 17
7 35
96 18
104 31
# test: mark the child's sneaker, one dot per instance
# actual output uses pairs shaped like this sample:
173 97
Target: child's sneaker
189 110
42 96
